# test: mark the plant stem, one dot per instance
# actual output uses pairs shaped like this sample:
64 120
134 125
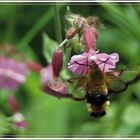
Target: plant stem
63 42
57 23
35 29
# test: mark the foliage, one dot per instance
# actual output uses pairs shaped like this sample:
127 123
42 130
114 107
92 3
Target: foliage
48 116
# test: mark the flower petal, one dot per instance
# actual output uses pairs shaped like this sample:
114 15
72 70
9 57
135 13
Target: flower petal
83 59
107 62
12 73
46 74
79 64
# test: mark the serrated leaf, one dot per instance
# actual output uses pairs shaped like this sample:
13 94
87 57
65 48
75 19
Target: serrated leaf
49 46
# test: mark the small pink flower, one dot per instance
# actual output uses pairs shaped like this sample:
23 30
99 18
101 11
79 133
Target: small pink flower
21 125
14 105
12 73
53 85
46 74
79 64
34 66
19 121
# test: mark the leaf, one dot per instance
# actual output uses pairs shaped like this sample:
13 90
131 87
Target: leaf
5 125
49 46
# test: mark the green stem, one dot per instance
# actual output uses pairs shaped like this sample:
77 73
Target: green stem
57 23
11 24
63 43
36 28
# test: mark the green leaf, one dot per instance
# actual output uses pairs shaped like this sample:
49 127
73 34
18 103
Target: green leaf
49 46
5 125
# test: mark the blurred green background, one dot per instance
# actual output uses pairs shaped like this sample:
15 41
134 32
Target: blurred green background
47 116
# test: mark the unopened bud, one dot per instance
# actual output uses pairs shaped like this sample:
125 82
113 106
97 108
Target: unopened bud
94 21
34 66
57 62
70 18
13 103
80 22
89 37
71 33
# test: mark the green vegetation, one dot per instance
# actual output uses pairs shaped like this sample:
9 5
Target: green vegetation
32 29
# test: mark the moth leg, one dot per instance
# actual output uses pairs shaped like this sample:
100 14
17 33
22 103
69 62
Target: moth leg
126 84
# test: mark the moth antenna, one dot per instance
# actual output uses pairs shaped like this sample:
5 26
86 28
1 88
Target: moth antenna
82 64
104 63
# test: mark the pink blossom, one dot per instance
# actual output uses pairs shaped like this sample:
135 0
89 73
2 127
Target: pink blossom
53 85
21 125
79 64
82 59
109 64
46 74
12 73
19 120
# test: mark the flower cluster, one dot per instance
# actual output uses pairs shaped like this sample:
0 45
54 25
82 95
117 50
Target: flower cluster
13 73
87 31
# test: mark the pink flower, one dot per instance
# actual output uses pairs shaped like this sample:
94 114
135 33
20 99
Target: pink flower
53 85
81 59
19 121
79 64
107 62
12 73
46 74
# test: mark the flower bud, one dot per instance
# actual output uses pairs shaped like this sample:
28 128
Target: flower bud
80 22
94 21
89 38
34 66
57 62
13 103
70 18
71 33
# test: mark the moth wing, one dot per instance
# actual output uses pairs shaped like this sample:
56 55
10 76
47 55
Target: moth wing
117 82
112 76
77 87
